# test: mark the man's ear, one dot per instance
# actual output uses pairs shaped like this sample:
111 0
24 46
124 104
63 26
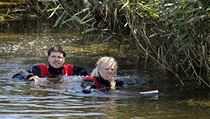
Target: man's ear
48 58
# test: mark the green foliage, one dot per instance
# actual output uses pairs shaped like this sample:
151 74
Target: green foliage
189 24
174 34
176 37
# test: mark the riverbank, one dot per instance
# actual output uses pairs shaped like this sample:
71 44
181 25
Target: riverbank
15 11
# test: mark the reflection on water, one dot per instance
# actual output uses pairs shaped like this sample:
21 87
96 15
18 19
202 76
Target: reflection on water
24 100
20 99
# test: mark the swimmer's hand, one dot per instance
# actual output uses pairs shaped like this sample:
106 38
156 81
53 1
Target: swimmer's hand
33 78
87 90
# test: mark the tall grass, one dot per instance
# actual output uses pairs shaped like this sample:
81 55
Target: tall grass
173 35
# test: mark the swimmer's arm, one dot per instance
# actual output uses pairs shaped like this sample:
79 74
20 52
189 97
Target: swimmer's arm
88 86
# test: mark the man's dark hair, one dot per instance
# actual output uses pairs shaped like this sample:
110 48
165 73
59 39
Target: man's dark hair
56 48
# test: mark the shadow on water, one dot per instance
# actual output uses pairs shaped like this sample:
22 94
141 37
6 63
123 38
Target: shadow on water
26 44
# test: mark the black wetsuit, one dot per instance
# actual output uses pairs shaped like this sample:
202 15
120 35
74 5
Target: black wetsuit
52 72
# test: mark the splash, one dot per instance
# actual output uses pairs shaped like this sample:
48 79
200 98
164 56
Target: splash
71 85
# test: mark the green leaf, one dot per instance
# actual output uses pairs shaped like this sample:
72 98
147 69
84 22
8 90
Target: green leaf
59 19
208 10
88 30
54 10
192 1
196 18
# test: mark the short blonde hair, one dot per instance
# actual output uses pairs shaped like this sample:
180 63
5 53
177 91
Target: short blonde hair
101 61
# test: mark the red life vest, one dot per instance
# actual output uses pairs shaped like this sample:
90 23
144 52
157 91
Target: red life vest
67 70
97 83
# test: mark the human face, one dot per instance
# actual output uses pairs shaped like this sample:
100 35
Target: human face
107 70
56 59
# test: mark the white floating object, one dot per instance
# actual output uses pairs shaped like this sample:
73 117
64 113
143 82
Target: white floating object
149 92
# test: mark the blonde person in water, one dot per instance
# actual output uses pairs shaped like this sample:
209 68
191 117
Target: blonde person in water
103 76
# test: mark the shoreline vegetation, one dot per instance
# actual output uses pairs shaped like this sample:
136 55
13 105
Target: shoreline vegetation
173 36
12 11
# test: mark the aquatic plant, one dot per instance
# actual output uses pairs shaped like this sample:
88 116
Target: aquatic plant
174 35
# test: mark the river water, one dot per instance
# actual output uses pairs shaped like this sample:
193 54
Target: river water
24 44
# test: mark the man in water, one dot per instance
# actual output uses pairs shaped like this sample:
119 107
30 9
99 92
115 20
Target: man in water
55 68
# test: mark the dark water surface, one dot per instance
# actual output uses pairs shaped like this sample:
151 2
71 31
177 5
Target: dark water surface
22 46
